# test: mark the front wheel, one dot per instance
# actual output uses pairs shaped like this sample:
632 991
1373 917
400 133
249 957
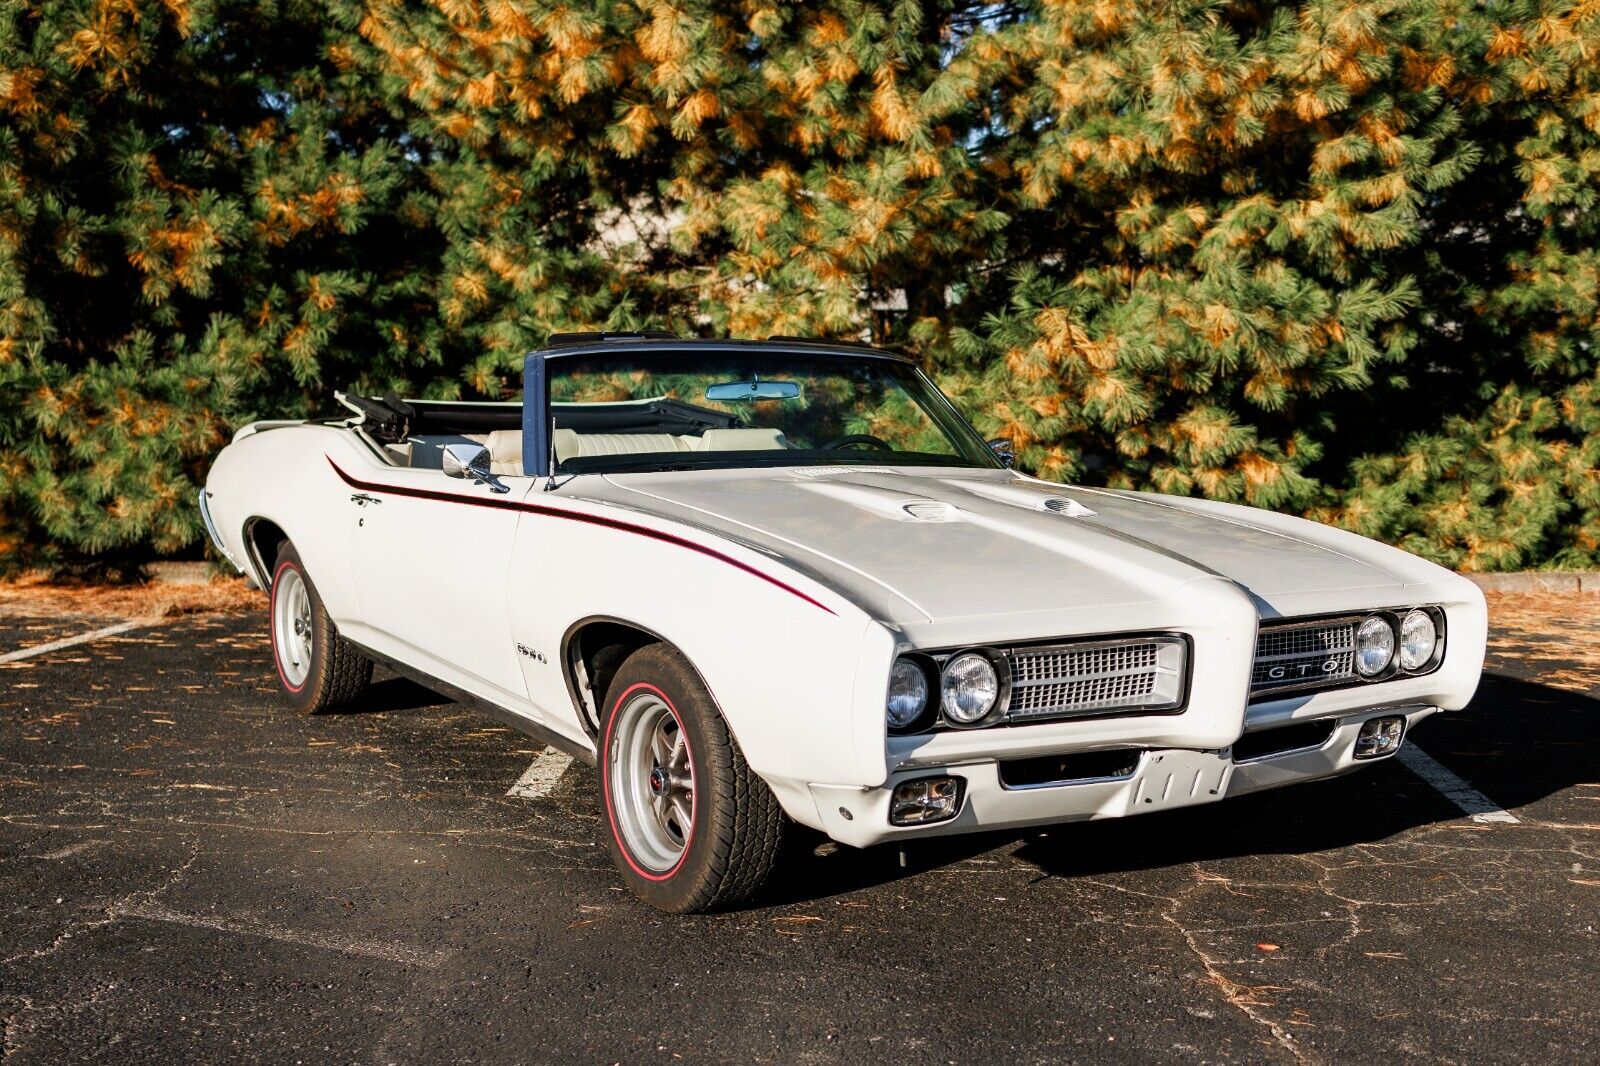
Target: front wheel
691 827
318 670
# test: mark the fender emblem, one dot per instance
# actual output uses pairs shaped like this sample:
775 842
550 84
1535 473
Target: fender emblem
536 656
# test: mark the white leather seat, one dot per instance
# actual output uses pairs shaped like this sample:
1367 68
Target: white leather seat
573 445
566 445
505 452
740 440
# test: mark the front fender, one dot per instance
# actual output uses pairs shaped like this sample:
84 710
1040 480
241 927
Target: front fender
798 671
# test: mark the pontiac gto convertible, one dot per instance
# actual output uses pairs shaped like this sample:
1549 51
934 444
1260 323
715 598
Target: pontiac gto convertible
753 582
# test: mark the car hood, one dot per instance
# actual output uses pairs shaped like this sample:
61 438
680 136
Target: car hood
971 543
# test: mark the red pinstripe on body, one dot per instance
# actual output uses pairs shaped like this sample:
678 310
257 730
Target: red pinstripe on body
571 516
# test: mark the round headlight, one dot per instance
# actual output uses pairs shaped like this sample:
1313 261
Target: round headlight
1374 646
908 694
1418 637
970 688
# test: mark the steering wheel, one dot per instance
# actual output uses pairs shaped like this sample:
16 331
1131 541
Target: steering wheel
858 438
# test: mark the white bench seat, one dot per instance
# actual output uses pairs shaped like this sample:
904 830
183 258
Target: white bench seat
505 445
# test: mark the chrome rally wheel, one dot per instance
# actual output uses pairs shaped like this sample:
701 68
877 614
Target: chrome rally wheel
652 781
318 669
689 825
293 640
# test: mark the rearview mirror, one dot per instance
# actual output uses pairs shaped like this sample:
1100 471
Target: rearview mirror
753 390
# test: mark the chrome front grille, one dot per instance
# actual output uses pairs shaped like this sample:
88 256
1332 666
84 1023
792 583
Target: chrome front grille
1144 675
1304 655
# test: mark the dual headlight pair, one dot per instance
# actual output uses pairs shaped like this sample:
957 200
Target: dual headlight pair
971 685
1384 643
969 689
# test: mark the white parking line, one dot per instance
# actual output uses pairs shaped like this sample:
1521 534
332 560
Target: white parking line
1457 791
81 638
540 778
154 912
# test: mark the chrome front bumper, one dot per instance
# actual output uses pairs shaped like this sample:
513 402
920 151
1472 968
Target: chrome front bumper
1164 779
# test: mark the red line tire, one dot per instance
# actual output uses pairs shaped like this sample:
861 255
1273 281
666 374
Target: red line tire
318 671
726 852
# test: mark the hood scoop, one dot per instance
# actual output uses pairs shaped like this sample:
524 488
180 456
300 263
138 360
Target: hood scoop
1071 508
931 511
1034 495
889 503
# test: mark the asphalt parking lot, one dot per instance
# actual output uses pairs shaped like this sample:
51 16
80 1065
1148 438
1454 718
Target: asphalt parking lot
191 872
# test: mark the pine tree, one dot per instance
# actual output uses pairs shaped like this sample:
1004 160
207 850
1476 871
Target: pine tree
205 216
1336 257
1494 461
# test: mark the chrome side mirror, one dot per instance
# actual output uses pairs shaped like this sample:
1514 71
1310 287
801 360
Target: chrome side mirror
470 461
1003 451
465 460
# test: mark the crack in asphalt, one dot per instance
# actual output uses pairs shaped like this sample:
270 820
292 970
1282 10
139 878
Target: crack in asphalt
345 807
8 1028
12 1026
1243 998
1430 862
109 915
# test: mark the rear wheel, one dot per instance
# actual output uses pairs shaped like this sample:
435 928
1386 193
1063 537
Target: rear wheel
318 670
690 826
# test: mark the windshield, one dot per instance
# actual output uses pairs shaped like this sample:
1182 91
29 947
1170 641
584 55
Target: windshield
693 410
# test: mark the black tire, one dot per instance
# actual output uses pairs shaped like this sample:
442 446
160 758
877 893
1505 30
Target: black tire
335 673
737 824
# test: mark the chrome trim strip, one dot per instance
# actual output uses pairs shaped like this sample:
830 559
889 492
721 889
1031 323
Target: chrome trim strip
1277 626
211 531
504 715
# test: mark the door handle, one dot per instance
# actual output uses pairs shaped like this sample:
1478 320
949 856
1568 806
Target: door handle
363 499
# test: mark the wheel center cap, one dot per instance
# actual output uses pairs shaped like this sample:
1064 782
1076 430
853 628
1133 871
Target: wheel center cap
299 627
658 781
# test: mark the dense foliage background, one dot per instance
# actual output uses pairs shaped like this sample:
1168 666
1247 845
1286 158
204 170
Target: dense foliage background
1336 257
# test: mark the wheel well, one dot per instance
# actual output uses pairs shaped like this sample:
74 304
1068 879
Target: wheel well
592 652
264 538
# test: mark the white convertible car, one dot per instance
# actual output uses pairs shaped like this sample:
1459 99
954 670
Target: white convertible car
787 580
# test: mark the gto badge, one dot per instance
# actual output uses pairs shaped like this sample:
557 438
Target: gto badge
1300 670
536 656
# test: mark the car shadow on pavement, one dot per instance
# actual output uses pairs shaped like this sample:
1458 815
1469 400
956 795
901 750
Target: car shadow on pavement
395 694
1519 742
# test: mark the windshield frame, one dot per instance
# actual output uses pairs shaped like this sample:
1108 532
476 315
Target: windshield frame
972 451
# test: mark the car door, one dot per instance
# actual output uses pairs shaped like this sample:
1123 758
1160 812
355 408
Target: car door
429 558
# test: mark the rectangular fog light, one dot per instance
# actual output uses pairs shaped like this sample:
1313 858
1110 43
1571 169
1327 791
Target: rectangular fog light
925 801
1380 737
